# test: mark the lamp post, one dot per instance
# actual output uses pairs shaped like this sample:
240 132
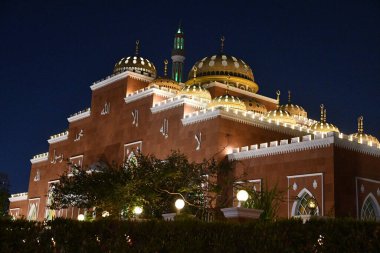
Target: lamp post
179 204
242 196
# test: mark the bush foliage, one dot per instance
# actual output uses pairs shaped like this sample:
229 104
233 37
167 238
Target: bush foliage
189 236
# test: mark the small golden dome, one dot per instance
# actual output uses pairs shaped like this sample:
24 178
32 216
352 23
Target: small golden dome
361 136
294 110
280 115
135 64
254 106
195 90
219 66
166 81
322 126
227 101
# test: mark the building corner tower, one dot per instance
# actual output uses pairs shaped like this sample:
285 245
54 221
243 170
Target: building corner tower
178 56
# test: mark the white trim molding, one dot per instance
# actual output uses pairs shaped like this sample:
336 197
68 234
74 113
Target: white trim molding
79 115
113 78
40 158
178 101
59 137
18 197
149 91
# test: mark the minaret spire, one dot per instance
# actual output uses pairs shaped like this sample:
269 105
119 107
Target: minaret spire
178 55
222 39
289 96
323 114
166 68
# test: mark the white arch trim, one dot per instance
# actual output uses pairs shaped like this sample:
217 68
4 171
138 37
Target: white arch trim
299 195
374 201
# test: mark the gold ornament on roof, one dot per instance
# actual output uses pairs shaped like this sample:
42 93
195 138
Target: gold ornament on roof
293 109
362 137
222 39
195 90
323 126
280 115
137 47
254 106
166 81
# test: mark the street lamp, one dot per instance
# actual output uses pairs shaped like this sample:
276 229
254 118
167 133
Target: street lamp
137 210
81 217
242 196
105 214
179 204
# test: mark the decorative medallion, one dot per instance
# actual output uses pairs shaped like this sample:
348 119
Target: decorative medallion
378 192
295 186
362 188
315 184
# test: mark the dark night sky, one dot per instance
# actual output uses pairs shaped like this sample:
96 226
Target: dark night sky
51 52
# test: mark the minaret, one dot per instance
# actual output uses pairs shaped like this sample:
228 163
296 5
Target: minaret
178 55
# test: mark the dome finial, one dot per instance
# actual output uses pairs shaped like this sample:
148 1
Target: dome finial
278 98
222 39
323 113
166 67
289 97
228 83
360 125
195 73
137 47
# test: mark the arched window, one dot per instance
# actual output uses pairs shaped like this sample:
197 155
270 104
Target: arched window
300 206
370 209
32 215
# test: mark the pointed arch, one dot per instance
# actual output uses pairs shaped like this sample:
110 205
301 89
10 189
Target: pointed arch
299 206
370 209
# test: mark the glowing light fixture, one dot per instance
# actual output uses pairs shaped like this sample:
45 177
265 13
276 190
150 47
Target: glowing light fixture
137 210
81 217
242 196
179 204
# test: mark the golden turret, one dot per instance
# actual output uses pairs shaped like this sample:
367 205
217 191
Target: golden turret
280 115
362 137
323 126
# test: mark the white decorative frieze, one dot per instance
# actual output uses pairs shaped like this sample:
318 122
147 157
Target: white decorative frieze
18 197
40 158
198 139
135 116
178 101
149 91
164 130
79 135
59 137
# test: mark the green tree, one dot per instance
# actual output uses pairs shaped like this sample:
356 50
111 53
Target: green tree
4 195
268 200
143 181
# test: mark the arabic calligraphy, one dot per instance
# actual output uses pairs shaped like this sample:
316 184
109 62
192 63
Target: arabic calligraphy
198 138
106 109
79 135
165 128
135 115
56 158
37 177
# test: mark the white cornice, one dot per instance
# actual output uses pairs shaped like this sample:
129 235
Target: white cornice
288 148
40 158
80 115
59 137
244 92
178 101
148 91
18 197
113 78
349 144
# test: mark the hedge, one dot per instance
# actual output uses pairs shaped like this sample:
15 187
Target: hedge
61 235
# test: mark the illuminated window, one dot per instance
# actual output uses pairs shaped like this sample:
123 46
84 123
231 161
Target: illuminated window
302 207
370 210
32 215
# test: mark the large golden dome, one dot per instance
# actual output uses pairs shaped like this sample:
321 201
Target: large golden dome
254 106
293 109
361 136
218 67
135 64
166 81
195 90
323 126
227 101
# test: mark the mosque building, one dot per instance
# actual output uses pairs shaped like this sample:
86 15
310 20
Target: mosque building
216 112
